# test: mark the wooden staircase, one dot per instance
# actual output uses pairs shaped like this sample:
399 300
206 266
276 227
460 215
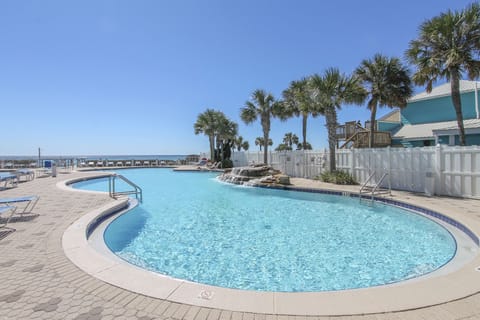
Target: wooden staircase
361 139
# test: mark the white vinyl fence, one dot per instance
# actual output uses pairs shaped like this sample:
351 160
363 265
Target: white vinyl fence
441 170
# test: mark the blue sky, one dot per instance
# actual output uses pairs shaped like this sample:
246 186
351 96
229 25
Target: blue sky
131 77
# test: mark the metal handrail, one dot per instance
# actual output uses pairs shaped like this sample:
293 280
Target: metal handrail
378 184
373 189
114 194
366 182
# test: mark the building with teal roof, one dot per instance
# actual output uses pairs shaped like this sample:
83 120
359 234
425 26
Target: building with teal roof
429 118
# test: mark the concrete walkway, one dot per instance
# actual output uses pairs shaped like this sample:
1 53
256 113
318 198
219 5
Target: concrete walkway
37 281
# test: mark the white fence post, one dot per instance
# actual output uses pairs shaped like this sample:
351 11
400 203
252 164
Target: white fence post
438 170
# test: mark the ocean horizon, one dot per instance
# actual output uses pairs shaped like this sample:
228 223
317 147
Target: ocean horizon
172 157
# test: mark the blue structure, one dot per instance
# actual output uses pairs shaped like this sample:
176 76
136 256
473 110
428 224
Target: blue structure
429 118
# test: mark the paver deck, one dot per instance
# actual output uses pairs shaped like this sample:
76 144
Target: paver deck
37 280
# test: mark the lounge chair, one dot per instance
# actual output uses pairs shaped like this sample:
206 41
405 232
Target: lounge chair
99 163
128 163
8 177
26 173
8 210
91 164
119 164
146 163
138 163
31 202
110 164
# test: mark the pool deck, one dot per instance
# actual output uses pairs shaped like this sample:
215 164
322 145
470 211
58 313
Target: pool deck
38 281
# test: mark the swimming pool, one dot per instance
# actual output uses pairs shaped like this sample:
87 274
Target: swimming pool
193 227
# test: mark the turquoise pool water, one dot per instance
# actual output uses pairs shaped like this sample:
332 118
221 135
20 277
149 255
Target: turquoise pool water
193 227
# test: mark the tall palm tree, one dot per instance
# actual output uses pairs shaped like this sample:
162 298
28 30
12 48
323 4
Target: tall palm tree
387 83
290 139
298 102
206 124
260 142
448 46
263 106
330 91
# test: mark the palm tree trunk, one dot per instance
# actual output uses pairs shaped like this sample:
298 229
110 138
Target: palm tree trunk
212 147
265 147
266 131
372 105
331 119
304 130
457 104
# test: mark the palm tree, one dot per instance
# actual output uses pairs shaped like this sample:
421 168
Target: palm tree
206 124
330 91
308 146
298 102
447 47
240 144
225 132
245 145
290 139
261 105
260 142
387 83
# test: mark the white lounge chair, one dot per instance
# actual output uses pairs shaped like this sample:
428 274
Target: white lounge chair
31 202
119 164
146 163
110 164
128 163
8 177
99 163
25 173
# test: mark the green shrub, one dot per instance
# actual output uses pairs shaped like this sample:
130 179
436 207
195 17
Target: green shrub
227 163
337 177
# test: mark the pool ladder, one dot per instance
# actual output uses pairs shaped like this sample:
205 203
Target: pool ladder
374 189
137 191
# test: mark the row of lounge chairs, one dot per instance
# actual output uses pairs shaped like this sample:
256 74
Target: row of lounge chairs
19 205
127 163
12 178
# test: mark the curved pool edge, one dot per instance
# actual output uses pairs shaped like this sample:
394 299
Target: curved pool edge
399 297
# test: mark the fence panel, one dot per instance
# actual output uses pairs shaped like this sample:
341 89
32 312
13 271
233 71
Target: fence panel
453 171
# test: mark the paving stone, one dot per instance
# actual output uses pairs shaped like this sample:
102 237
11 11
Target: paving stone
26 246
48 306
35 268
12 297
8 263
5 242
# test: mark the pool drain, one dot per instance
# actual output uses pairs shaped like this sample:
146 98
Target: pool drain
206 295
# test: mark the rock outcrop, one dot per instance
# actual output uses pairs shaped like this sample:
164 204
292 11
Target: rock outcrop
255 175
